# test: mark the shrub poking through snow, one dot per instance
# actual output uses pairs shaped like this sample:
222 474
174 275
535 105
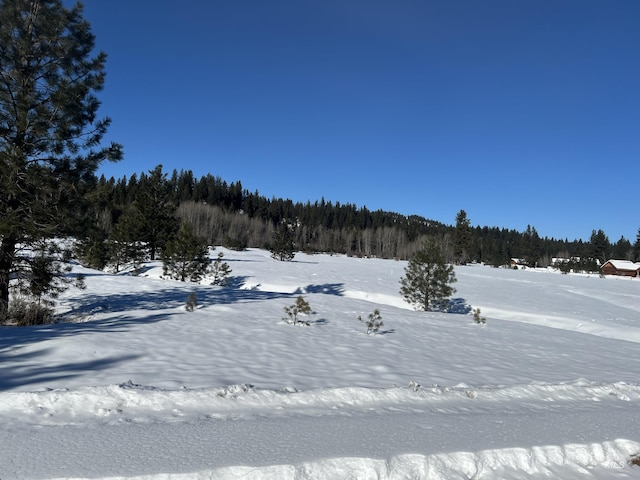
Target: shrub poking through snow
477 317
635 460
374 322
192 302
25 311
300 307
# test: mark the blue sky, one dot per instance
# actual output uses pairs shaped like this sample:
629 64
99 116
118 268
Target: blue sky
519 112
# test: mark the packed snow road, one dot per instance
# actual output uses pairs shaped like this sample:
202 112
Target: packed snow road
534 432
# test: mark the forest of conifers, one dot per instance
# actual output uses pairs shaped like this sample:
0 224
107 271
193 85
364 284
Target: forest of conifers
137 208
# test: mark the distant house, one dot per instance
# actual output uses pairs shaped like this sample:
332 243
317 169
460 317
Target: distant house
620 267
517 263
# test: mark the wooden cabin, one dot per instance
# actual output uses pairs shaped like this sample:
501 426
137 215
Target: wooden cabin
623 268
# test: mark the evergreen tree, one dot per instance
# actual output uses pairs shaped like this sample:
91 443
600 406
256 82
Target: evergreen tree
428 279
531 250
192 302
93 249
186 256
622 249
300 307
156 211
49 135
374 323
600 246
636 248
283 247
124 246
462 238
220 270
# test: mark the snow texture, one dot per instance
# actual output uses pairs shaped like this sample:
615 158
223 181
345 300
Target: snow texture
131 385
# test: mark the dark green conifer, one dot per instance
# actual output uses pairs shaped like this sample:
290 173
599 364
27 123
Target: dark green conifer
186 256
462 238
428 279
283 247
49 131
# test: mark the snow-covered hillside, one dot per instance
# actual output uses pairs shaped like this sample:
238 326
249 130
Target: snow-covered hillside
134 386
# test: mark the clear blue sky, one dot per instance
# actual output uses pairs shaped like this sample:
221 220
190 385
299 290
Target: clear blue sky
519 112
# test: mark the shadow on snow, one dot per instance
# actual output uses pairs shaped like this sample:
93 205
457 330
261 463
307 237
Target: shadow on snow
458 305
27 366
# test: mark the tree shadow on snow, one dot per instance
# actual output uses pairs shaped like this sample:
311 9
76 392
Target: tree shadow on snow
33 369
385 332
30 366
174 296
458 306
319 322
327 288
236 281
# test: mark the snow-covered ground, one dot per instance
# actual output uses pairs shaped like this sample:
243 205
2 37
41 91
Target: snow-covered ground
137 387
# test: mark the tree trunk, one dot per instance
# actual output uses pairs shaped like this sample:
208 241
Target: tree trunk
7 253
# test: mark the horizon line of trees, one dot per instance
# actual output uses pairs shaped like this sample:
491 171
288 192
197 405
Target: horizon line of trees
146 206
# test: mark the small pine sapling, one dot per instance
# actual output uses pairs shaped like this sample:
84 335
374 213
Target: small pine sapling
192 302
477 317
374 322
220 270
300 307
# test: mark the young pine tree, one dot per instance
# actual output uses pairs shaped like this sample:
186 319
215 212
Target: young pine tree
428 279
220 270
283 247
186 256
374 322
300 307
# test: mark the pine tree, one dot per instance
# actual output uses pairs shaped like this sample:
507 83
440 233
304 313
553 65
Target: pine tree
462 239
600 246
300 307
186 256
220 270
374 322
156 211
283 247
192 302
636 248
49 134
622 249
531 250
124 246
428 279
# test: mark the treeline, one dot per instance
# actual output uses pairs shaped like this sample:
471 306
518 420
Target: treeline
148 207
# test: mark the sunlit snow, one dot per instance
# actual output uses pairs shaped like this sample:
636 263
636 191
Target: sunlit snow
131 385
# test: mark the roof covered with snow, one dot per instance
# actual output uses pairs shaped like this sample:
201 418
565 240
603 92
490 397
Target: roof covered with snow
623 264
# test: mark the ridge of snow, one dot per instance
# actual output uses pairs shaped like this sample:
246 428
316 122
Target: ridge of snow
128 400
572 461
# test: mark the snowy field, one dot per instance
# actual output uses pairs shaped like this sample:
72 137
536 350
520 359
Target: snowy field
137 387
